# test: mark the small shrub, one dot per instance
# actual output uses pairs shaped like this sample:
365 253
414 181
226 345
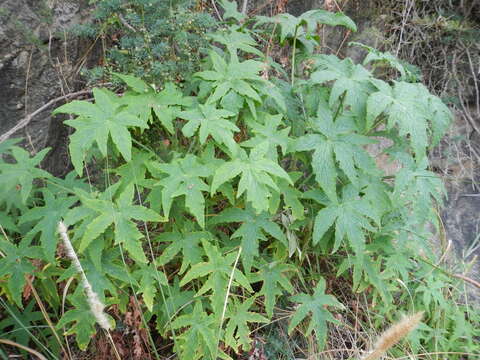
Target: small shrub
159 41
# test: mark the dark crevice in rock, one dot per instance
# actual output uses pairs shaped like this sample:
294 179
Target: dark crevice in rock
34 41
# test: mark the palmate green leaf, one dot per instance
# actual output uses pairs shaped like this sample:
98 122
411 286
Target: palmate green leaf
7 145
323 163
257 175
237 332
177 302
119 213
65 186
233 76
336 142
433 290
377 192
398 264
290 26
150 279
377 56
315 306
207 157
79 320
422 185
276 281
369 268
199 341
352 80
210 121
271 93
414 110
99 278
408 72
184 178
351 216
8 222
101 266
164 104
291 197
218 269
253 229
186 243
113 265
231 10
314 17
47 216
97 123
234 39
133 172
234 102
236 83
268 132
82 216
440 120
15 265
17 178
134 83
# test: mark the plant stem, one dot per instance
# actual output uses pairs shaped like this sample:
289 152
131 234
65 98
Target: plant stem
293 55
340 106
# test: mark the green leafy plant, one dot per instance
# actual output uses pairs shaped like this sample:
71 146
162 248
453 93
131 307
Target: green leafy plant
253 208
314 305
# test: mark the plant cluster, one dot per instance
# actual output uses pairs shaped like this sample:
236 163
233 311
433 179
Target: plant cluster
440 37
265 186
157 40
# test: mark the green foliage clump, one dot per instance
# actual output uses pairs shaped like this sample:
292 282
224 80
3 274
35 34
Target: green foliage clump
156 40
242 217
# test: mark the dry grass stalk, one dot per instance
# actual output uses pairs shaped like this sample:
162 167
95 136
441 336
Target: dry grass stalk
23 347
394 334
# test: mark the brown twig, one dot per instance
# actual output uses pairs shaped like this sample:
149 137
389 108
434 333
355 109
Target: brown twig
216 10
343 42
126 24
466 279
260 8
26 120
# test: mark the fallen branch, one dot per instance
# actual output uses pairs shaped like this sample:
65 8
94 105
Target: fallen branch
458 276
466 279
126 24
26 120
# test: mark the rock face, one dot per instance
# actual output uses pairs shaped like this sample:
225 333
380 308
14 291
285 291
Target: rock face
461 214
38 62
298 7
461 218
